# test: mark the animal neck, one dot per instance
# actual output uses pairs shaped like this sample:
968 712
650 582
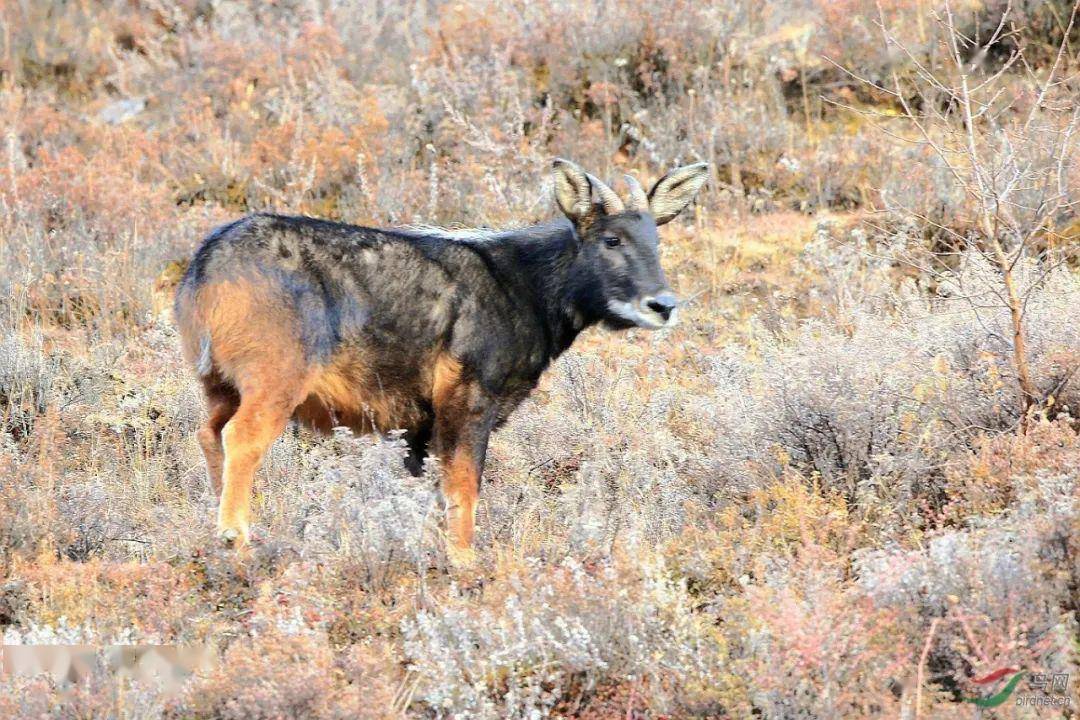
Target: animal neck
563 292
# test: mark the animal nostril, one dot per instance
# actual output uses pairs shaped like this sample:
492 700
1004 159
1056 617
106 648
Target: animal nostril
662 305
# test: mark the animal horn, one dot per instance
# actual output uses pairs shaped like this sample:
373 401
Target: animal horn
639 201
611 202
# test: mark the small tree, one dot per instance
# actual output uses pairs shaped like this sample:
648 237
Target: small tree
1005 132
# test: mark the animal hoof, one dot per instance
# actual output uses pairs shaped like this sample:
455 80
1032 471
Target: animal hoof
461 558
232 538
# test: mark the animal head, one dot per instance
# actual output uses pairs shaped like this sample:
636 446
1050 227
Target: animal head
619 244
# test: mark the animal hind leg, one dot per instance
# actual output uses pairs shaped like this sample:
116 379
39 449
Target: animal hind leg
256 341
221 404
259 421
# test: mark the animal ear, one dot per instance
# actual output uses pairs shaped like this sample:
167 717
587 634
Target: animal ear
673 192
572 189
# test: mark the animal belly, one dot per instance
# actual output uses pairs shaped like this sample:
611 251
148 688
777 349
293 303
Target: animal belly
348 394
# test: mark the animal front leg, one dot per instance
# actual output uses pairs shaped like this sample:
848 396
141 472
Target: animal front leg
461 456
464 417
461 489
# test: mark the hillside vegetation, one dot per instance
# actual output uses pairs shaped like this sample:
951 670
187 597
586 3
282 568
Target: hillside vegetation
845 486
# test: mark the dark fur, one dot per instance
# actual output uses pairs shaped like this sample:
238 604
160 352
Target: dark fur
440 335
505 305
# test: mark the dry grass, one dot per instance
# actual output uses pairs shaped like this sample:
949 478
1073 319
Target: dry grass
809 500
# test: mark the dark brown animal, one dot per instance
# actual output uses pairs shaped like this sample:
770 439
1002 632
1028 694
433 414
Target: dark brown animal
441 334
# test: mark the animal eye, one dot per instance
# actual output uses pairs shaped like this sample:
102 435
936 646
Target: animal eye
612 241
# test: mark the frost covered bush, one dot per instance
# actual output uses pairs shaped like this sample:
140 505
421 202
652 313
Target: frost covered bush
1010 579
874 404
988 564
276 677
970 323
95 516
601 460
28 382
64 632
351 496
554 633
867 411
632 503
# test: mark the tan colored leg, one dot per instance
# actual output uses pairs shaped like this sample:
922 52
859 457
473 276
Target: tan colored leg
246 438
460 487
464 416
254 333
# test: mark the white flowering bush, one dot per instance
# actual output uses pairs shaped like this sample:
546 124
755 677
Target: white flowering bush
1002 578
351 497
875 405
29 380
551 633
64 632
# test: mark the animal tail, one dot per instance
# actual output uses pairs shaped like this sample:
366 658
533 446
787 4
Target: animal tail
204 364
